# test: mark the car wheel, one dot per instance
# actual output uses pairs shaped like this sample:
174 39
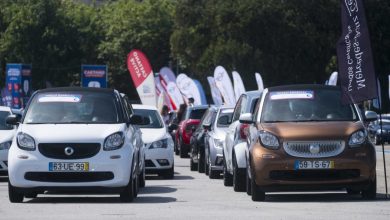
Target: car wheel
238 177
142 178
182 152
248 183
136 186
352 191
193 166
128 193
31 195
376 140
257 193
201 163
169 174
207 163
227 177
14 195
176 148
370 192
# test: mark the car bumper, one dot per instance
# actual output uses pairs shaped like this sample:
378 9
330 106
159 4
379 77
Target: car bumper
30 169
354 168
158 159
216 158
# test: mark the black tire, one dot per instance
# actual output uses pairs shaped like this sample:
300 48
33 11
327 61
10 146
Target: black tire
31 195
142 181
169 174
376 140
128 193
248 183
257 194
136 187
182 152
207 163
14 195
227 177
193 166
238 177
370 192
201 163
176 150
353 191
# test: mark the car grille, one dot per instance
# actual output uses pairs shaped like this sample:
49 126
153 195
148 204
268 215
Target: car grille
314 149
314 175
57 150
149 163
67 177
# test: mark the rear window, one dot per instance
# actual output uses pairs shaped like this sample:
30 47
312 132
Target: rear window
195 113
153 116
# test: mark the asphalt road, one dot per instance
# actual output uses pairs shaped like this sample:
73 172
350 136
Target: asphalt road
191 195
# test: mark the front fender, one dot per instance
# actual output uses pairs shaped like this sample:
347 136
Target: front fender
239 152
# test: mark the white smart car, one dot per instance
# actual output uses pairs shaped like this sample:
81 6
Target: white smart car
7 132
158 142
75 139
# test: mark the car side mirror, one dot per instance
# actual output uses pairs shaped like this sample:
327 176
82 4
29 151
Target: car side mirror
246 118
13 119
370 116
136 120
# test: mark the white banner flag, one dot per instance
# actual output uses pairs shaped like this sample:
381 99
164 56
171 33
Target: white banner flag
238 84
333 79
216 95
259 81
224 85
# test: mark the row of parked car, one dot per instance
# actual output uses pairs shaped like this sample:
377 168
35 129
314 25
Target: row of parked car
286 138
83 139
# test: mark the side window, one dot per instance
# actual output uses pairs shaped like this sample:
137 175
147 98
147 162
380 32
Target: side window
256 108
237 109
244 105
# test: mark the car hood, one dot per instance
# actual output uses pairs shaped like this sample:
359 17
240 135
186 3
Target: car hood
70 132
312 130
6 135
150 135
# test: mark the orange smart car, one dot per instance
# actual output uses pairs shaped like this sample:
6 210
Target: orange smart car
302 137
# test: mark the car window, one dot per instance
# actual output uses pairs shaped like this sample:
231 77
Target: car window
224 119
237 109
308 105
153 116
3 125
196 113
73 107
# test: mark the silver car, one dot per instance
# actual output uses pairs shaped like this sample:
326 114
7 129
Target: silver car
215 140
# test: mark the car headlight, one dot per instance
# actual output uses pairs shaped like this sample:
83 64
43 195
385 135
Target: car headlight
159 144
25 141
269 140
5 145
357 138
218 143
114 141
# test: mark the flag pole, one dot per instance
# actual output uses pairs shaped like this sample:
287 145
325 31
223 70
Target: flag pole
383 143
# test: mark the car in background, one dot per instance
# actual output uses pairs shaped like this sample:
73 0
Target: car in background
7 133
75 139
215 139
377 134
188 124
302 137
234 165
158 143
197 141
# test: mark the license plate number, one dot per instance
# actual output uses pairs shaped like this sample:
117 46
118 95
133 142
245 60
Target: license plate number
318 164
69 166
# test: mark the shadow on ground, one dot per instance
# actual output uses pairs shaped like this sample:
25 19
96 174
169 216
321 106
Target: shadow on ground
321 197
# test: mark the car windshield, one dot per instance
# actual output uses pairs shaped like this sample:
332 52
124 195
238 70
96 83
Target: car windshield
306 105
195 113
82 107
3 125
153 116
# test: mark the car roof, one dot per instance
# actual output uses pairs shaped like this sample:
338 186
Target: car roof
303 86
253 93
76 89
148 107
5 108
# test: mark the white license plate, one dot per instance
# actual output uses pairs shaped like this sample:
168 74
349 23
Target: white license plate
69 166
317 164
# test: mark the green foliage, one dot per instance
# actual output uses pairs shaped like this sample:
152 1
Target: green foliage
287 41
